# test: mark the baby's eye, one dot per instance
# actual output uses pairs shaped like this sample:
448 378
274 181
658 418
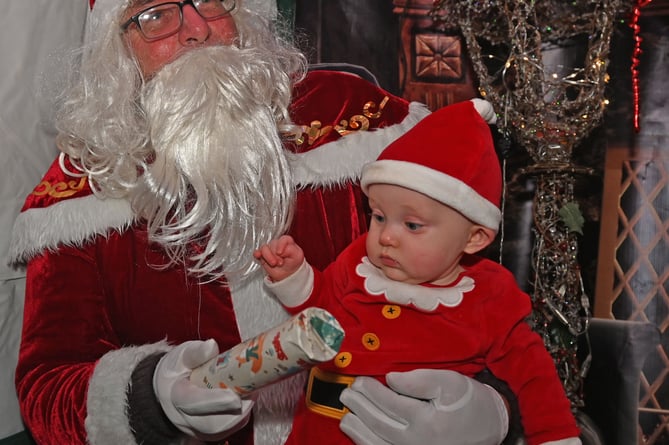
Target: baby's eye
378 218
413 226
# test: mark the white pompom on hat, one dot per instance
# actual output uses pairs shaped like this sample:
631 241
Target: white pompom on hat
450 157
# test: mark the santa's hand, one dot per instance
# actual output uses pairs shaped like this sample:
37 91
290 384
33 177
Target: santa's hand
208 414
425 406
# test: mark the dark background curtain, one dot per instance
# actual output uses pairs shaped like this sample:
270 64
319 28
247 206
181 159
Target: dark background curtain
353 31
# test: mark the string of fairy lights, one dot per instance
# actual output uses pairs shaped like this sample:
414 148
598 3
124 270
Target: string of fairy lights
543 66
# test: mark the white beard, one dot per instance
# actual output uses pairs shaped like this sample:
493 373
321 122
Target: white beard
220 170
219 179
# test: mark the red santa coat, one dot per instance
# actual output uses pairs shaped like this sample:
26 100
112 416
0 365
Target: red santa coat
475 323
95 306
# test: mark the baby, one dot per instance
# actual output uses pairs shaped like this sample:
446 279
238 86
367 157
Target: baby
411 293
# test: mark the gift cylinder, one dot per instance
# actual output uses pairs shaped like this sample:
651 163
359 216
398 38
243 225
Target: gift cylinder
310 337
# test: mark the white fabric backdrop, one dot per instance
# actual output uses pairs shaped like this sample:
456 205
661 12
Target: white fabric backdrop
34 36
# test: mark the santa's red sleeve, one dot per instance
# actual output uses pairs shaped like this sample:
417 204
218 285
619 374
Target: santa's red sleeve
72 368
82 338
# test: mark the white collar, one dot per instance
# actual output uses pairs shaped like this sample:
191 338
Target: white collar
423 297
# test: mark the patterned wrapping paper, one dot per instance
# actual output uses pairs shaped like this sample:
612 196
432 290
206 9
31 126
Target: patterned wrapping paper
310 337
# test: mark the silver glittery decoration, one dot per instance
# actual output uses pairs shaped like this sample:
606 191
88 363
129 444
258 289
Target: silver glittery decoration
542 64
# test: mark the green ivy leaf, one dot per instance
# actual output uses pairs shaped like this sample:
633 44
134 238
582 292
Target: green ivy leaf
572 217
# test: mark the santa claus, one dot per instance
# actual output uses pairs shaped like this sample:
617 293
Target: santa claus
190 135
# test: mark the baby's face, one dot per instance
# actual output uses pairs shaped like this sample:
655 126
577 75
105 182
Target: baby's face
413 238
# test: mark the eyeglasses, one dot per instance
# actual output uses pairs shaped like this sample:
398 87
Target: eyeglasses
164 19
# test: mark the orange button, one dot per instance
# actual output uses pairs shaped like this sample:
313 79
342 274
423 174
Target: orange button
371 341
343 359
391 311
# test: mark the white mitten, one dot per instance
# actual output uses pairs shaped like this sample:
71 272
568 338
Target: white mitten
208 414
424 406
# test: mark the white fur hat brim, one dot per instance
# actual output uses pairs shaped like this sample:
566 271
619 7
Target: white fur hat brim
445 189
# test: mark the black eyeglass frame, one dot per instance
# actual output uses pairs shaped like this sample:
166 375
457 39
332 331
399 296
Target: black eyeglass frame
135 18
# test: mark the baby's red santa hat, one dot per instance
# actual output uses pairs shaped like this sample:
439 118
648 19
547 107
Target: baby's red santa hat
450 157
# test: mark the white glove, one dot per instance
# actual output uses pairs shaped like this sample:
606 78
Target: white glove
425 406
208 414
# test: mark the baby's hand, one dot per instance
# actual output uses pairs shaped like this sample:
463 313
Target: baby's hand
280 258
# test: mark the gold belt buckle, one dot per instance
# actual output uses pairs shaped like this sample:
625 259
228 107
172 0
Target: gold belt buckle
322 383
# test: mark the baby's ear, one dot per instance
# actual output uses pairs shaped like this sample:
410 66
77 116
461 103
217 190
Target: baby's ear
480 237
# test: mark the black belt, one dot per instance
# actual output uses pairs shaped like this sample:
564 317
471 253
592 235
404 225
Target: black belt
323 391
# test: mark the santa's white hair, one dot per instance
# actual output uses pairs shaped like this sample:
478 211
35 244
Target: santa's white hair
202 164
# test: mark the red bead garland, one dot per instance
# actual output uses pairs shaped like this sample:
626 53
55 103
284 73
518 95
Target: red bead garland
636 13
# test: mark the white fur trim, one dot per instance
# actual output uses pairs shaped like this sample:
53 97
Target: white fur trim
68 222
274 408
436 185
257 311
342 160
107 420
294 290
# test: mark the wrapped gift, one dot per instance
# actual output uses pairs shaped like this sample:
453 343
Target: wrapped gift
310 337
